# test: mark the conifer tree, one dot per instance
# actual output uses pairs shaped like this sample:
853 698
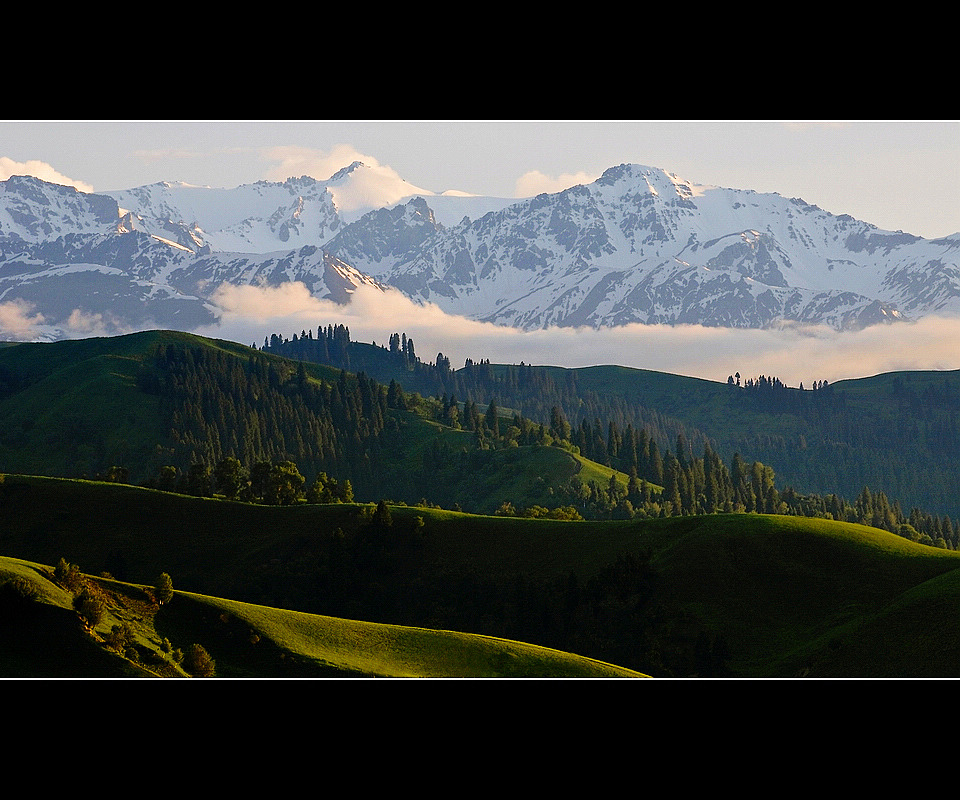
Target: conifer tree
163 589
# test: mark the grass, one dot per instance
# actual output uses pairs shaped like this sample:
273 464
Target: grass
789 596
311 643
781 590
46 639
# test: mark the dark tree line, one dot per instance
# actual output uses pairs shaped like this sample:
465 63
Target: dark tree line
276 484
828 443
533 392
266 414
266 411
843 452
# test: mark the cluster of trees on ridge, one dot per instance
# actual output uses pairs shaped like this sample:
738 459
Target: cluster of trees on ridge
90 602
273 484
690 484
906 442
246 428
532 391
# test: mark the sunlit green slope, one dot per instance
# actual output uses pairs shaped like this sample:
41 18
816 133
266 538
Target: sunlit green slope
767 596
44 637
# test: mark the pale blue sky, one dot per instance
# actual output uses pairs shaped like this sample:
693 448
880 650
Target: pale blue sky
896 174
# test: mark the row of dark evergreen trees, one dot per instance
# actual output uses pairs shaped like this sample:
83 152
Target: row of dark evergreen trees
636 440
264 410
533 392
906 442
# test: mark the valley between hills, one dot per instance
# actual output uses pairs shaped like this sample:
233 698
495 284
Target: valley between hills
176 506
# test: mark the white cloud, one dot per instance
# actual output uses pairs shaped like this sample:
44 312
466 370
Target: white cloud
376 186
39 169
17 322
82 324
530 184
292 162
793 355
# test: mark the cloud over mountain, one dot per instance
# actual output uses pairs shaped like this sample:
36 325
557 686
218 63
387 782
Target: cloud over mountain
638 267
795 354
39 169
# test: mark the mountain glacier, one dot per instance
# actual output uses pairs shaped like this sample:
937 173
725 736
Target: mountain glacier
639 245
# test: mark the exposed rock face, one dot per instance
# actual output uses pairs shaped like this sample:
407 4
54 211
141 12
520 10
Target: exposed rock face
639 245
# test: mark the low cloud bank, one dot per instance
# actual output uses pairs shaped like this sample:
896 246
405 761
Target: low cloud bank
792 354
795 355
20 322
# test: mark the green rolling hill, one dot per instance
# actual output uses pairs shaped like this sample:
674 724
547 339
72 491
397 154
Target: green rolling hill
45 637
152 400
743 595
506 579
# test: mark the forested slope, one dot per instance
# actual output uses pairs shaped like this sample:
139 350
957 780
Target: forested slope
896 434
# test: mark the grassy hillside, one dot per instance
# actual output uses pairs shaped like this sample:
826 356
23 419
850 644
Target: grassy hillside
791 596
77 407
46 638
897 433
153 400
708 595
742 594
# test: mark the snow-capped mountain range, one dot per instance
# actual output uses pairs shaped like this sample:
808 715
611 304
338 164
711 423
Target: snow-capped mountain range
639 245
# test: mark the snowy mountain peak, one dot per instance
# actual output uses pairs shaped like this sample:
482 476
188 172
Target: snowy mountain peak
345 172
639 245
657 182
34 210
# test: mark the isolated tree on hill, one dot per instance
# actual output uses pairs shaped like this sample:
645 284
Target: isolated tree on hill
199 482
382 517
285 484
322 490
119 638
329 490
163 588
68 576
167 477
90 607
260 479
116 475
198 662
229 477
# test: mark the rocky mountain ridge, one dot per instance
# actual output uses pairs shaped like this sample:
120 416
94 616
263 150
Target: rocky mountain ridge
639 245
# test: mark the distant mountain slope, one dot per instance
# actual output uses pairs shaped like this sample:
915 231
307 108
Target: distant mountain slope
641 245
637 245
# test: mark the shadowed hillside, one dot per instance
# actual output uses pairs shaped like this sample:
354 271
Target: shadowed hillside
741 594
